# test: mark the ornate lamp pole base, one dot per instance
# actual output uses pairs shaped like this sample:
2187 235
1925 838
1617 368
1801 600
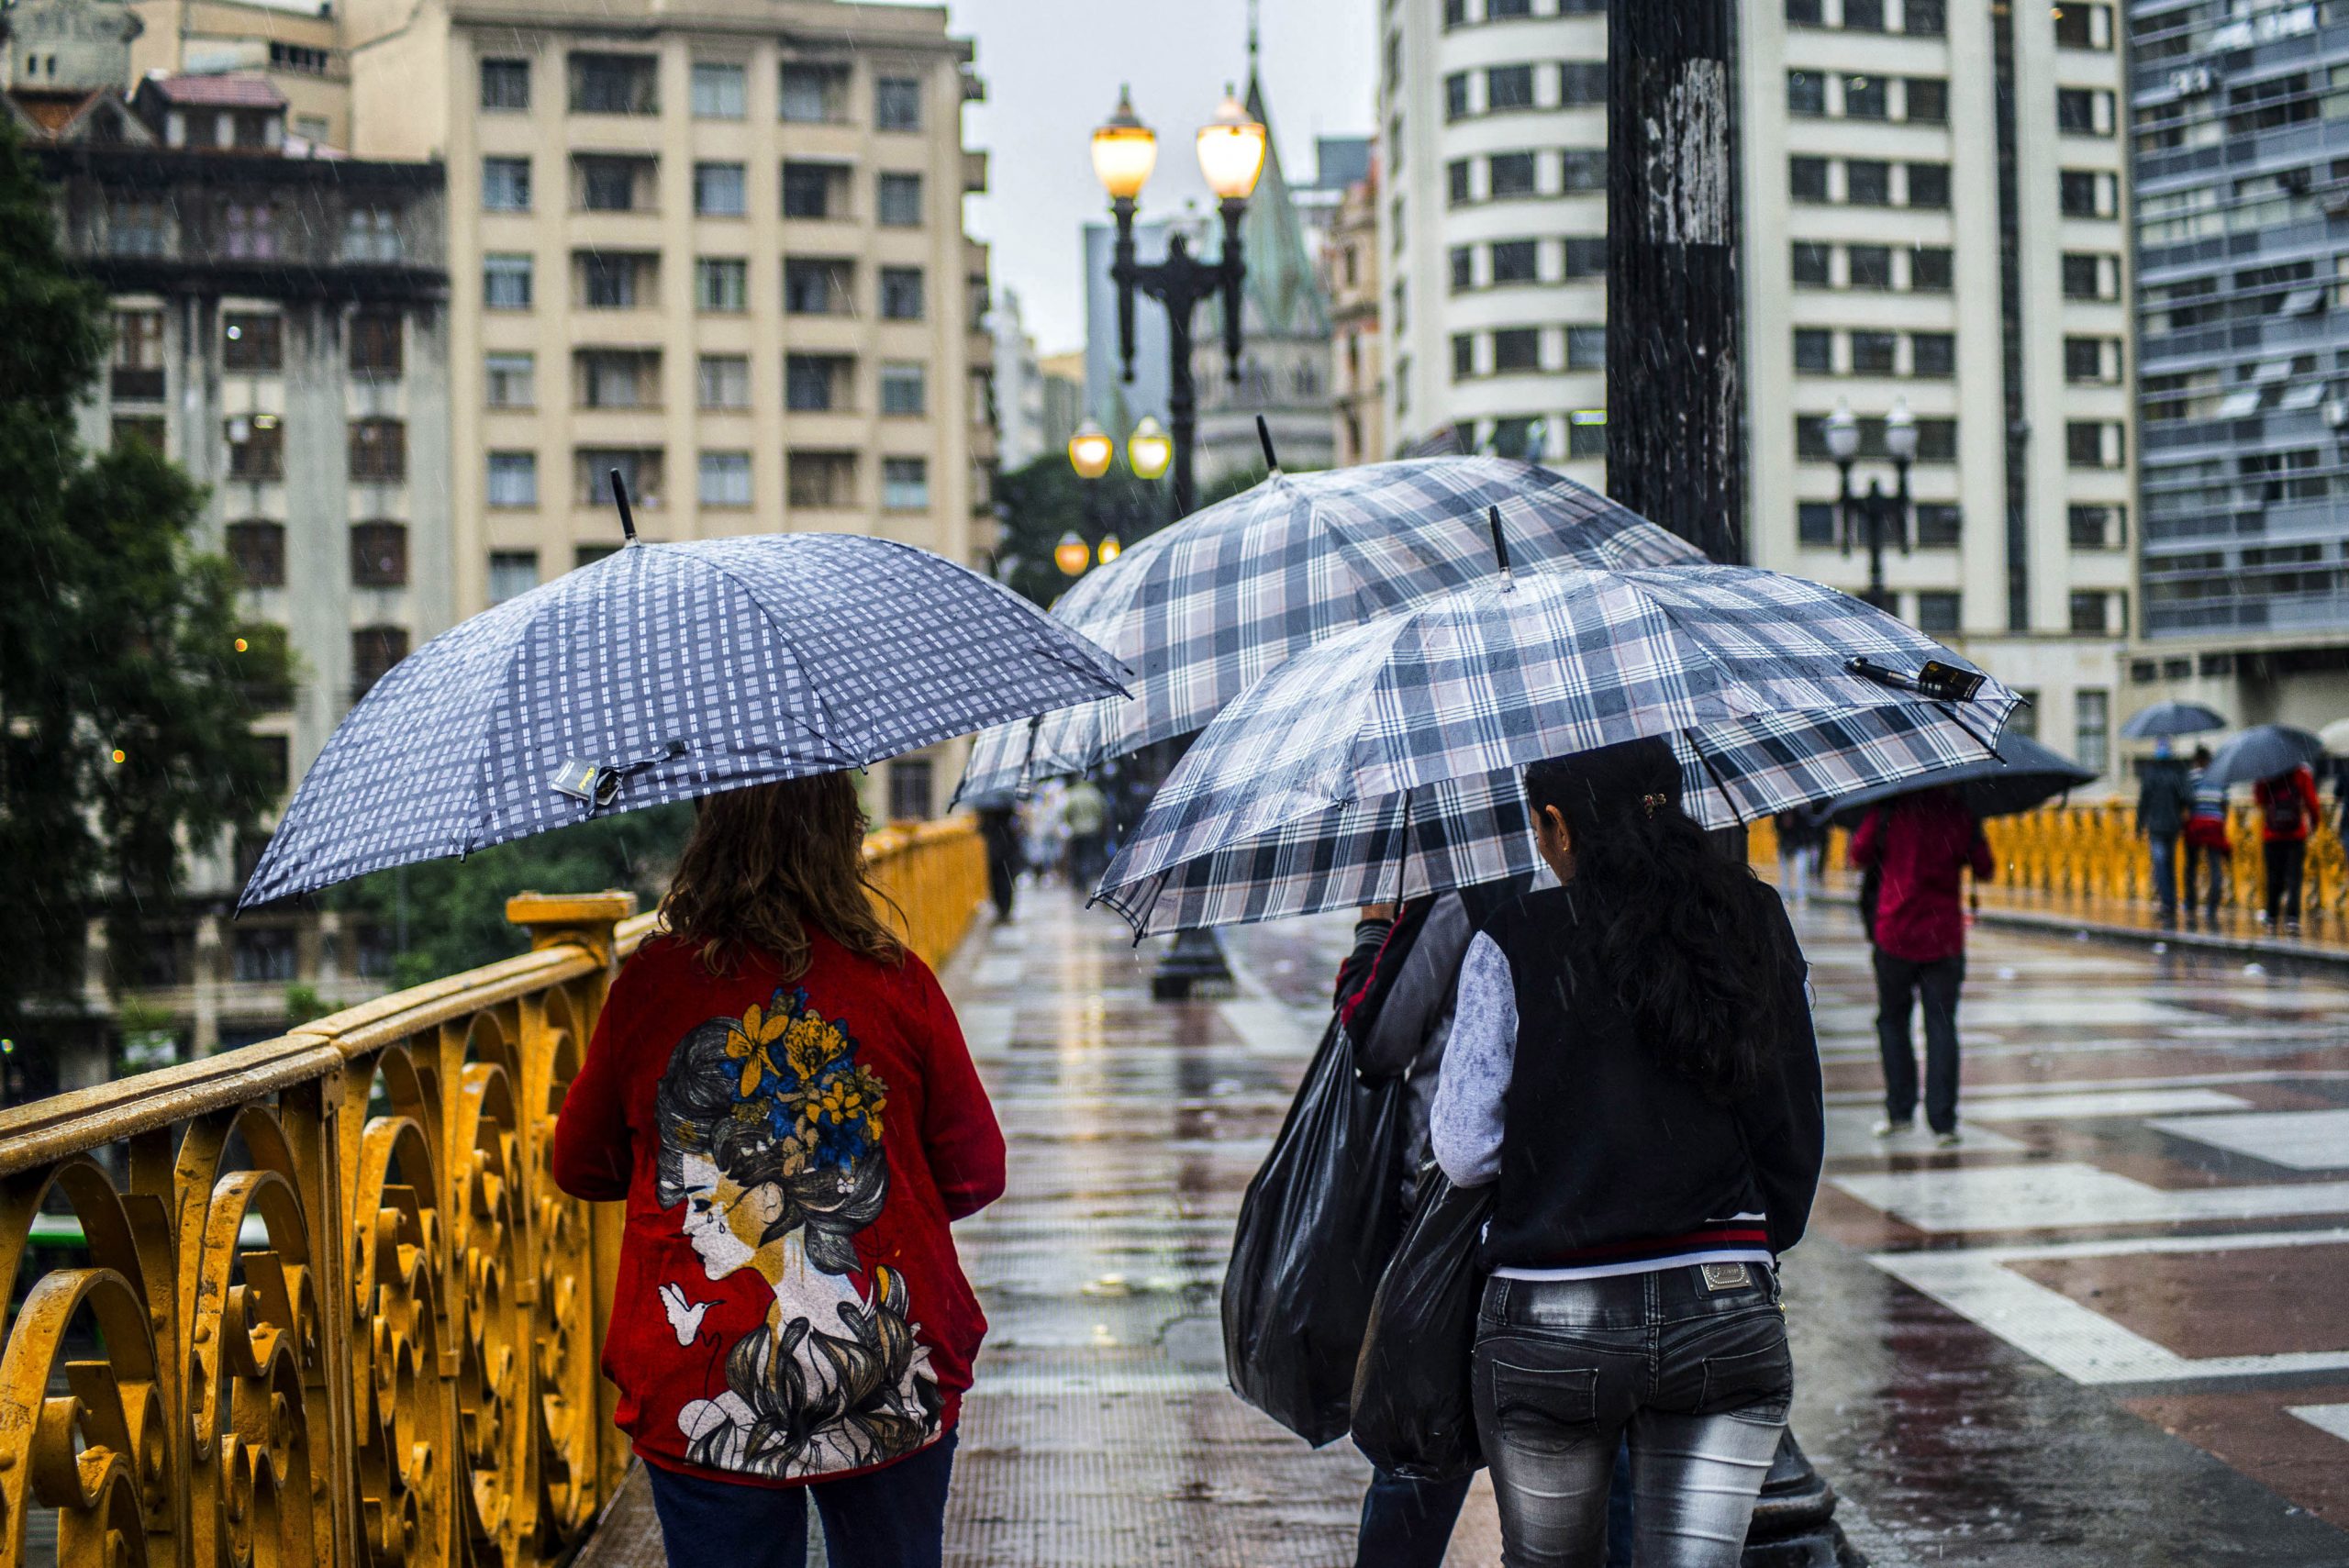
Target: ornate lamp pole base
1794 1522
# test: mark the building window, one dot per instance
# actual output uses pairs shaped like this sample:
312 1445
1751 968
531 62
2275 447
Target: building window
639 469
1586 258
1928 186
2091 443
618 378
2082 359
1925 101
582 555
2085 193
1463 355
2098 527
1930 268
818 383
896 102
724 381
506 184
717 91
138 430
377 344
138 226
1923 18
251 231
1866 98
905 387
513 479
256 447
911 789
1455 95
373 650
897 201
2083 111
379 555
2080 25
1512 175
1940 525
1863 16
2090 613
1508 87
719 190
512 572
614 84
1867 266
821 478
1517 348
602 182
1937 612
813 286
370 234
265 954
1868 182
1875 353
1806 179
1585 348
814 190
722 283
1463 268
815 95
1586 433
506 85
1814 350
905 483
2090 276
610 280
513 381
725 479
1582 81
901 293
1516 262
1813 264
1806 92
252 340
1456 180
505 280
256 553
378 450
1932 354
1815 523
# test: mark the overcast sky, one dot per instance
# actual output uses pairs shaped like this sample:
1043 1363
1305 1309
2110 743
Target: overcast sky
1051 69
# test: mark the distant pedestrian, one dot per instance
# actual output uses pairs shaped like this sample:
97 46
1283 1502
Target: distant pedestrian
1631 1068
999 831
1802 843
1084 812
2289 810
2207 849
1922 845
2164 801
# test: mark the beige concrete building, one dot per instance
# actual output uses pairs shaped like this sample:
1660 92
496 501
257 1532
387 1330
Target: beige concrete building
298 49
717 247
1350 274
1935 214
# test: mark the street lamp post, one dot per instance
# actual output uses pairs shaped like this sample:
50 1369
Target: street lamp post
1232 155
1878 513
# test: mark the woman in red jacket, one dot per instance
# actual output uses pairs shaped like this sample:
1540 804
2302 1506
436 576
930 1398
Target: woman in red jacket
780 1092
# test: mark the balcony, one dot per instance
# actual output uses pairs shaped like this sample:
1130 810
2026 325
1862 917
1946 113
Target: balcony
391 1319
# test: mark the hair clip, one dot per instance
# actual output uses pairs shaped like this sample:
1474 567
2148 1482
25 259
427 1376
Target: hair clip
1648 802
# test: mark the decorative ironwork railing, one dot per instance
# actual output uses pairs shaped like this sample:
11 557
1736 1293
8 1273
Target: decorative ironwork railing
318 1301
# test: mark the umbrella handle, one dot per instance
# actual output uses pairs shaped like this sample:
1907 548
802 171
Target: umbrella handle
620 494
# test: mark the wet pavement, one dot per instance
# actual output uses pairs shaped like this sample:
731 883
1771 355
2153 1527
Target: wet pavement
2112 1328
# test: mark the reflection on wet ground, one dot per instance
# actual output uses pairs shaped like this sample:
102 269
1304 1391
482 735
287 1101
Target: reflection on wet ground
2106 1331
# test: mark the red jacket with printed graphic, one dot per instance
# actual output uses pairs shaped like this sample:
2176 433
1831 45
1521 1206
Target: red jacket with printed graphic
789 1306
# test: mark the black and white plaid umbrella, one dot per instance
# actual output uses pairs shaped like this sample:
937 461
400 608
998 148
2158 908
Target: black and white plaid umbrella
666 671
1383 763
1203 607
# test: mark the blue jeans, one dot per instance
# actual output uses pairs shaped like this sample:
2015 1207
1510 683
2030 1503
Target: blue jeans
2165 854
1689 1363
891 1517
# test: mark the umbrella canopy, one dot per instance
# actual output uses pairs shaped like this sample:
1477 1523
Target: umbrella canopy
2021 775
2261 752
661 672
1203 607
2335 737
2172 719
1384 758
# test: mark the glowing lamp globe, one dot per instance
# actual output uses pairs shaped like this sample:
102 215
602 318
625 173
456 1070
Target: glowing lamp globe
1071 555
1842 432
1124 151
1090 450
1110 549
1231 150
1150 448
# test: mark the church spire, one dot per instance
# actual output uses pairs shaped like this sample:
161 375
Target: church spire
1253 91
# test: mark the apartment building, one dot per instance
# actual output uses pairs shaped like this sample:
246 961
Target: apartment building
1350 274
714 247
297 48
2240 121
1934 218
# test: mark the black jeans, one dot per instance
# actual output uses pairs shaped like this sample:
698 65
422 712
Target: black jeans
1897 980
2286 857
1690 1363
2205 861
890 1517
1408 1524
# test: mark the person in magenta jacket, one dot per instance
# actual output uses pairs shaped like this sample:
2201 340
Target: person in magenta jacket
779 1092
1921 846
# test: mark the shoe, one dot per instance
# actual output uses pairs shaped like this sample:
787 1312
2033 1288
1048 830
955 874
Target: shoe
1888 1127
1949 1139
2292 928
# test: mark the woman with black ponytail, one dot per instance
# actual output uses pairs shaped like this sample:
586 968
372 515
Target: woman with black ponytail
1631 1063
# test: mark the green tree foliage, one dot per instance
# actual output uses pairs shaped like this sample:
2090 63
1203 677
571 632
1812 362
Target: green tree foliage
124 736
455 911
1046 499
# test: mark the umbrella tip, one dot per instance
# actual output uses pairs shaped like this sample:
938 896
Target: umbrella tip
1501 547
1264 436
619 495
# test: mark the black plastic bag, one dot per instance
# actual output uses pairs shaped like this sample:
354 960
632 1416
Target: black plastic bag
1315 1231
1414 1412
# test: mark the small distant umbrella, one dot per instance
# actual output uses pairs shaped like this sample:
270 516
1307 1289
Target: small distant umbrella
2023 775
2335 737
663 673
2172 719
2261 752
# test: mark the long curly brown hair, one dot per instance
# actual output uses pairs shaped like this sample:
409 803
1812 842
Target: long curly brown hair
766 862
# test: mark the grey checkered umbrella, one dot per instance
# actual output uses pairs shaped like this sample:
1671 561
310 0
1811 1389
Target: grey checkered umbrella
666 671
1203 607
1383 763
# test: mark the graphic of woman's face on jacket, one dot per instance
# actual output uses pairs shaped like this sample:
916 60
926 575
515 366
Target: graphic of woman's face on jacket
725 1221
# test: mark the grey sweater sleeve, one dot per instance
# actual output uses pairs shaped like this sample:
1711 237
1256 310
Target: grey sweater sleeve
1464 1126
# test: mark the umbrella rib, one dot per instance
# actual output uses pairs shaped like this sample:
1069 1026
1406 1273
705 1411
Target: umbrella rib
815 687
1713 773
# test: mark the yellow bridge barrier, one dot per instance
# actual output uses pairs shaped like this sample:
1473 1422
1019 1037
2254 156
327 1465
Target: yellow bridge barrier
318 1301
2070 855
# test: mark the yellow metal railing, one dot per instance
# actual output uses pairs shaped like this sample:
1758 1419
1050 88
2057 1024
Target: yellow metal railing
2091 852
318 1301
